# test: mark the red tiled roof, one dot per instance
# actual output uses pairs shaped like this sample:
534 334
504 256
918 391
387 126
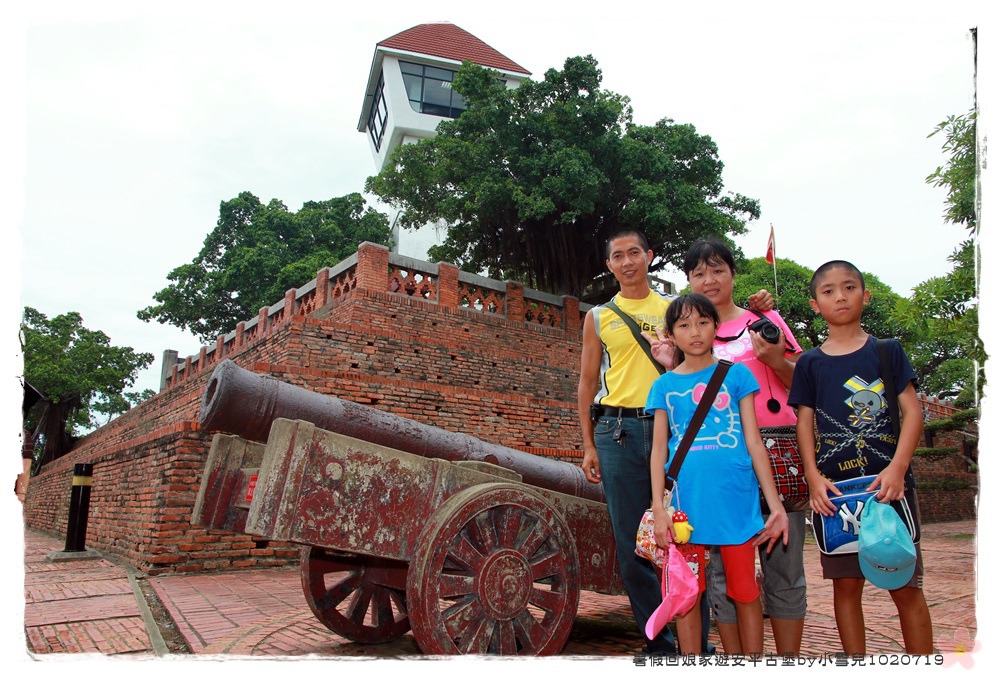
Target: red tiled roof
446 40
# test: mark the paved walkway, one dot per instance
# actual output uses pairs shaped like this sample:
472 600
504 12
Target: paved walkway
99 606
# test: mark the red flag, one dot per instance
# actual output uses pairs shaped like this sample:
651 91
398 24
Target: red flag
769 257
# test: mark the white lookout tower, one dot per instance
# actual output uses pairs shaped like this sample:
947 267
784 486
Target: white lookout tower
409 92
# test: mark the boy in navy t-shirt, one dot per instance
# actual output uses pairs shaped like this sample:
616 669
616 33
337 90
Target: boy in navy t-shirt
838 386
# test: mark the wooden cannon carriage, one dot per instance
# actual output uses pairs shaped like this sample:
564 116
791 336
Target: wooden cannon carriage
476 548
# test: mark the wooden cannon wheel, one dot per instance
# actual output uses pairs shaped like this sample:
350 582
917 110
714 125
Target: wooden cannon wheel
360 598
495 571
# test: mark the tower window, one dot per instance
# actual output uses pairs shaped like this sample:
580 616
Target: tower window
429 90
379 116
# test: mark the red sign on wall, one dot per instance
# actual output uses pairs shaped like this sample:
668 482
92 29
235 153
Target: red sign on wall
250 488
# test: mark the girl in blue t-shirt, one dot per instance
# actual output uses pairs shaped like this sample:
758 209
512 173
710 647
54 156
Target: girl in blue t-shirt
717 486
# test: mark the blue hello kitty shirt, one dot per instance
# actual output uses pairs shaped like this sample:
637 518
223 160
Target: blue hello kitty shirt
716 486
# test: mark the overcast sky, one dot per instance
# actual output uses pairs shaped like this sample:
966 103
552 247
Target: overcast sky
128 126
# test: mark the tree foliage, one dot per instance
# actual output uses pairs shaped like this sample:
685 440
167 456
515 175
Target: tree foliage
943 317
81 374
256 253
792 300
958 175
531 181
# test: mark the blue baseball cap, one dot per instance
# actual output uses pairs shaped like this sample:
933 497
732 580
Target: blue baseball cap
886 552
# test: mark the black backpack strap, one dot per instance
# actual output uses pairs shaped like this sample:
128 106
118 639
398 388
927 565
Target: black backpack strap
888 383
637 333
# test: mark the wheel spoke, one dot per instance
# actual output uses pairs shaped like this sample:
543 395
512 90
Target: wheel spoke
545 566
482 532
477 636
529 630
465 554
455 586
508 524
360 604
459 616
547 600
384 613
537 535
338 592
504 638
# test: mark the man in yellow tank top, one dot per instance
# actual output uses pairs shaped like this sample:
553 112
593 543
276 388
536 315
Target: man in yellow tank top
615 378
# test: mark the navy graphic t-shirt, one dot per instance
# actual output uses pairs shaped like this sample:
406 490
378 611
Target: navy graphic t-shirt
848 396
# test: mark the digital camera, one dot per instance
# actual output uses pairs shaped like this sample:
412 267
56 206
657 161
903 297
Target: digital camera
766 329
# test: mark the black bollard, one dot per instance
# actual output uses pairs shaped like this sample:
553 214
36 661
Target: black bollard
79 506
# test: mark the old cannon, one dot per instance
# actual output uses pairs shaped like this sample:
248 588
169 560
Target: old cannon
475 547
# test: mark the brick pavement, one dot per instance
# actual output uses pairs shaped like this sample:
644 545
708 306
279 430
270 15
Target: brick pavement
79 605
92 606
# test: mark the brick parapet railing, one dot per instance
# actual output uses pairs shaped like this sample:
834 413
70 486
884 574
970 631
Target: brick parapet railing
375 268
935 408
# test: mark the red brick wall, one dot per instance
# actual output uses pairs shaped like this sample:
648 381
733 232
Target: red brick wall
947 505
500 376
147 467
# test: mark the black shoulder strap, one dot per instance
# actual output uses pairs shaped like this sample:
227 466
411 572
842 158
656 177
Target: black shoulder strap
634 327
707 398
888 383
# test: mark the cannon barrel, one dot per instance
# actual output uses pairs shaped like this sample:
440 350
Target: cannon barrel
243 403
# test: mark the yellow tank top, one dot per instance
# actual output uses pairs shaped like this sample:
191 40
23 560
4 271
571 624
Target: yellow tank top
626 371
